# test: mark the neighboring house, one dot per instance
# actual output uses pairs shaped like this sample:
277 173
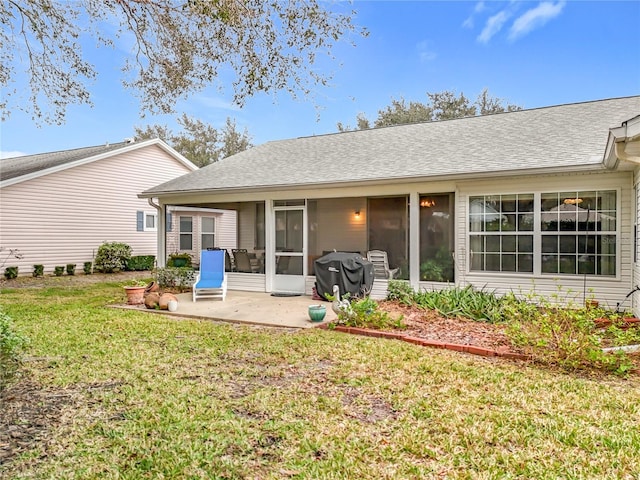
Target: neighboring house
533 200
58 208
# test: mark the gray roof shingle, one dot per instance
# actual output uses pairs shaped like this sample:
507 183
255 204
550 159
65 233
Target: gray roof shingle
19 166
565 136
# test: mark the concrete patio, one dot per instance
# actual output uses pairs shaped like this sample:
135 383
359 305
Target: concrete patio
250 308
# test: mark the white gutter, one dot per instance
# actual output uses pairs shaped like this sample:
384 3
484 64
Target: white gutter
618 141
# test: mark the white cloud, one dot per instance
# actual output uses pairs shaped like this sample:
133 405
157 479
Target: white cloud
535 18
493 26
425 52
11 154
469 22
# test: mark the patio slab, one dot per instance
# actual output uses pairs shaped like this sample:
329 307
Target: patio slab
250 308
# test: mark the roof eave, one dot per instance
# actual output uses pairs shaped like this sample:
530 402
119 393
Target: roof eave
590 167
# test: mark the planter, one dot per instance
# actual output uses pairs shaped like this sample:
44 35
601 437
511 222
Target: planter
317 312
135 295
10 272
172 305
179 262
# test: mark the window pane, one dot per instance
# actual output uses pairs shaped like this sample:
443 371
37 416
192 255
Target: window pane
549 264
150 221
185 241
476 223
508 203
607 200
549 244
186 224
208 225
587 264
607 265
493 243
607 244
567 244
525 222
477 260
207 241
567 264
525 243
509 244
508 263
492 262
525 263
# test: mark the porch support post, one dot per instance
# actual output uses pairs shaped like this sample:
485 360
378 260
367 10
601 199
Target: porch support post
414 239
269 245
162 235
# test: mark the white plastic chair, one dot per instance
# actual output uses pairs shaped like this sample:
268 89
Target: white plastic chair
381 264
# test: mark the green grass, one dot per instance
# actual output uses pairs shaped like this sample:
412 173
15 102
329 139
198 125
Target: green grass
155 397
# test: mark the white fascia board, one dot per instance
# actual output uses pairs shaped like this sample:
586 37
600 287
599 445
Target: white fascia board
619 137
172 208
102 156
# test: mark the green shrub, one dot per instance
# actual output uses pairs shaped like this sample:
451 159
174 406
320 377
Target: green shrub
87 268
38 270
71 268
11 347
365 313
400 291
141 262
112 257
58 270
10 272
175 277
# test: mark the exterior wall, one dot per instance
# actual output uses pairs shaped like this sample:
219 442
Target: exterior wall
608 291
225 231
346 232
63 217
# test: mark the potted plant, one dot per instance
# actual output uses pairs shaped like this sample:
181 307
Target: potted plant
135 292
58 270
179 260
38 270
10 272
71 268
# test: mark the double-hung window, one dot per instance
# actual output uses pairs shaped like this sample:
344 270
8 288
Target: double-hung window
501 233
208 233
578 230
186 233
567 233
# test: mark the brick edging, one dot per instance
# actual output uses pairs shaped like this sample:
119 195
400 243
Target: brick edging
472 349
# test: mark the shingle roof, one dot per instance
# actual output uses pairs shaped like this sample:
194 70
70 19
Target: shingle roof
565 136
20 166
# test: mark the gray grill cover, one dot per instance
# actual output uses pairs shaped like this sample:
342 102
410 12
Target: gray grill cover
349 271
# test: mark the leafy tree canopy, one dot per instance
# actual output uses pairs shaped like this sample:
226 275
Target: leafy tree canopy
200 142
444 105
178 47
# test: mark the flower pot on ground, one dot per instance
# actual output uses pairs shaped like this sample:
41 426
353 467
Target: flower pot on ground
317 312
179 260
87 268
58 270
135 294
38 270
71 268
10 272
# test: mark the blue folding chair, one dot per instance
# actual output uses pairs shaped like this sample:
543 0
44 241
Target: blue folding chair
211 282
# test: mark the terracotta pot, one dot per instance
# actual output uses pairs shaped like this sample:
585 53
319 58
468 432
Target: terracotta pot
152 287
151 300
135 295
163 302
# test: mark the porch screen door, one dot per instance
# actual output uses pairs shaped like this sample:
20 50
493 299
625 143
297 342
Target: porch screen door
290 235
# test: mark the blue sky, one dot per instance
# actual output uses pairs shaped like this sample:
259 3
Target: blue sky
532 54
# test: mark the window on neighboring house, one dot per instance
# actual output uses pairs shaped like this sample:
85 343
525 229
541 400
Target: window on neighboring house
186 233
146 221
579 232
501 233
208 233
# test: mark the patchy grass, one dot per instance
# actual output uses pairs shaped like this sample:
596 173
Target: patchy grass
148 396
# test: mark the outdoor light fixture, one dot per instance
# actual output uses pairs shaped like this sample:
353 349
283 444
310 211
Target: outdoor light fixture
357 214
427 202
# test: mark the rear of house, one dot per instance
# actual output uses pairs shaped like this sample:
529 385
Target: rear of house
58 208
523 201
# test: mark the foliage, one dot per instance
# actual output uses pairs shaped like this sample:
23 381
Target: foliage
58 270
177 48
445 105
7 253
10 272
87 268
400 291
179 260
199 142
175 277
71 268
38 270
146 396
11 346
141 262
112 257
365 313
566 337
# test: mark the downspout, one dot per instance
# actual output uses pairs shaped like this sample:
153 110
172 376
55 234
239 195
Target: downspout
161 231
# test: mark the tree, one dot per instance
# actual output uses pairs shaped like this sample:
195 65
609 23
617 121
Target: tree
179 47
444 105
199 142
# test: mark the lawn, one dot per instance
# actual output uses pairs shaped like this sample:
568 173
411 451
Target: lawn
116 394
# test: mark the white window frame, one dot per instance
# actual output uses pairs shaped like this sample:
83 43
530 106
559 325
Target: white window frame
203 232
181 233
154 215
537 234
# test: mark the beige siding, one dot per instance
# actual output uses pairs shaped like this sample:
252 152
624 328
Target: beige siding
63 217
246 226
248 282
636 265
608 291
346 232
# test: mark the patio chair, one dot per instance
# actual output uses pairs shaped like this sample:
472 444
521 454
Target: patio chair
211 281
381 264
242 260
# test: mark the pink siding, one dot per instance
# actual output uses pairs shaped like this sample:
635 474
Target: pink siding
63 217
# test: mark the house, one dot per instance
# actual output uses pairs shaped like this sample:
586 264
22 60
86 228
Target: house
58 208
533 200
